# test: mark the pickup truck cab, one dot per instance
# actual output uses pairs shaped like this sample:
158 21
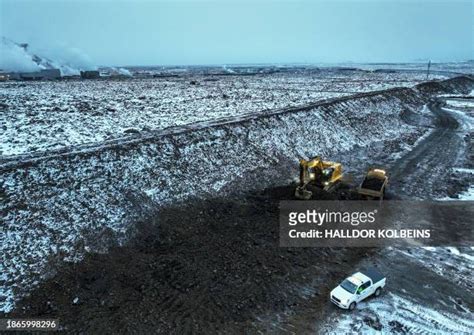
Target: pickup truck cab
357 287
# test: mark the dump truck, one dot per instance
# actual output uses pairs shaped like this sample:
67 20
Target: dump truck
325 175
374 184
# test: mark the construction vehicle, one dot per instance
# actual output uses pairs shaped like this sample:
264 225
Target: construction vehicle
328 176
325 175
374 184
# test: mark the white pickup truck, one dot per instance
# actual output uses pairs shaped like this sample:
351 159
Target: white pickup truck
357 287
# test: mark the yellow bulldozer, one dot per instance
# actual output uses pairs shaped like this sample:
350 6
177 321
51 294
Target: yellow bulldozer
316 172
328 176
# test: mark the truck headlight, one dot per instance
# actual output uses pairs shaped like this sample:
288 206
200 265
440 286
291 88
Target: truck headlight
326 183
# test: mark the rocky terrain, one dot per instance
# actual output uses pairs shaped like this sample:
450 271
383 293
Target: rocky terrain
69 202
42 116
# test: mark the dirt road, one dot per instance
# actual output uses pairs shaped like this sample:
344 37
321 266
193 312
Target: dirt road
430 290
423 172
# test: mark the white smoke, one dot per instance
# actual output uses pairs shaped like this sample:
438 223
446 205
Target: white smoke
227 69
124 72
69 60
14 58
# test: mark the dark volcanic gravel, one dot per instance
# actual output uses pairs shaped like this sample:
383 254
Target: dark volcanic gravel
202 266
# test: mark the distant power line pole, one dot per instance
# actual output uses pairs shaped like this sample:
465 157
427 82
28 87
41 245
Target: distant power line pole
428 70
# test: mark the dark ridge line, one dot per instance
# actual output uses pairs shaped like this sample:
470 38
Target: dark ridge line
25 160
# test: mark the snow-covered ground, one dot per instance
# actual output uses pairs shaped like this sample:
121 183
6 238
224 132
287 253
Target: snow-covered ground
429 289
415 302
40 116
463 109
460 103
436 67
395 314
467 195
57 206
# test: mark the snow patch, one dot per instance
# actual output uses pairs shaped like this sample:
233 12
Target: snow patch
392 313
466 121
457 262
464 170
467 195
459 103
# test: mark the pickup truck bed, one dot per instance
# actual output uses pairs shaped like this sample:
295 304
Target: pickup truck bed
374 275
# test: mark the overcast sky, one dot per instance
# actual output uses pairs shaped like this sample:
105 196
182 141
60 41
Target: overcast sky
137 32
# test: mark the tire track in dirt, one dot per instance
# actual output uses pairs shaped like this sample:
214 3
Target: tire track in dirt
421 172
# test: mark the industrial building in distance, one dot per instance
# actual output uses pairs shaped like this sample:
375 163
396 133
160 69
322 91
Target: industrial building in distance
45 69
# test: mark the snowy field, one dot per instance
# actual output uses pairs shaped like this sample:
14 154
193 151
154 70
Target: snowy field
41 116
408 306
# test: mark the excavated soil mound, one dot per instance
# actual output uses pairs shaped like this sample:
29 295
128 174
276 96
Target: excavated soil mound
202 266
